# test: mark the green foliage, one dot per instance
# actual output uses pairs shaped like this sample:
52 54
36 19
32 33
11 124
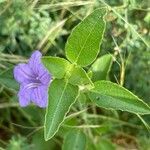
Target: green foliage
74 140
61 68
139 73
101 67
104 94
17 143
6 79
84 42
110 95
28 25
78 76
61 96
56 66
24 28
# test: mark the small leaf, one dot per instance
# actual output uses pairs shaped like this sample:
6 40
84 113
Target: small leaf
7 79
74 140
101 67
61 96
56 66
84 42
112 96
79 76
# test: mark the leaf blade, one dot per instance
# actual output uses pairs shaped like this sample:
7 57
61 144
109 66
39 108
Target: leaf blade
86 38
112 96
101 67
78 76
56 66
61 96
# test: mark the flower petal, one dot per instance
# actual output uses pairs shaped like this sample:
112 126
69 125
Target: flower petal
23 73
35 61
45 77
40 96
24 96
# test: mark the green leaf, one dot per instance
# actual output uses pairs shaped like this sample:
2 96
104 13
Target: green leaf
84 42
56 66
6 79
101 67
112 96
74 140
78 76
61 96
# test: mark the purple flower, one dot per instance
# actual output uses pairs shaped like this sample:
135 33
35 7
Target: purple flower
34 80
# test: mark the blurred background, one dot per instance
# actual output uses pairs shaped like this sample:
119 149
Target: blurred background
27 25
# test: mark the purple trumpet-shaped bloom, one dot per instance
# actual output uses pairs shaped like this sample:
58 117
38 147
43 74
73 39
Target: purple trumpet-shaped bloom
34 80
